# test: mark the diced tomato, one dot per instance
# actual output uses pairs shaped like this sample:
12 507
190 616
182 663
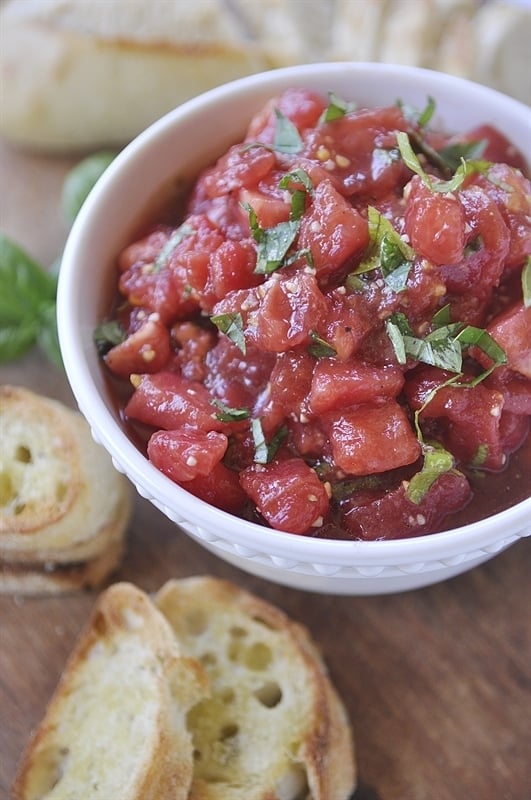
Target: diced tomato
300 106
234 377
169 401
392 515
332 230
145 350
288 494
359 151
512 331
241 166
472 430
221 488
184 454
291 379
290 308
511 191
193 343
337 384
435 223
230 267
353 316
498 148
372 438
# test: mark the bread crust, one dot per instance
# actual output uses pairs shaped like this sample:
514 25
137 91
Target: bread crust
116 722
61 499
312 740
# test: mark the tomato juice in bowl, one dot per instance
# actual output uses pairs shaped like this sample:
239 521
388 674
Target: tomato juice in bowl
182 144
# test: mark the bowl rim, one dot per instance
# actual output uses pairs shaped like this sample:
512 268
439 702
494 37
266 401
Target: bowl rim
172 499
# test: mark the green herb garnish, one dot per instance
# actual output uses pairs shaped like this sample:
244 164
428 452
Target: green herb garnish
175 239
264 452
337 108
108 334
227 414
437 460
287 137
319 347
231 325
80 181
526 282
27 305
387 251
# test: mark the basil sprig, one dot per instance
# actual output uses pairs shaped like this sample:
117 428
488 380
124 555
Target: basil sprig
80 181
27 305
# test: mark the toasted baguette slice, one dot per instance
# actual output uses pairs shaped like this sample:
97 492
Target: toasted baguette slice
53 579
274 726
61 499
116 725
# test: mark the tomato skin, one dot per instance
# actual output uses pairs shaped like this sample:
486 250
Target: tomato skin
238 168
369 439
291 379
221 488
512 331
184 454
336 384
288 494
169 401
392 516
332 230
288 311
145 350
435 224
301 106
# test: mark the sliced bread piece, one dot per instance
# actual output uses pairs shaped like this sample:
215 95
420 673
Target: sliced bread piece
273 726
116 725
61 499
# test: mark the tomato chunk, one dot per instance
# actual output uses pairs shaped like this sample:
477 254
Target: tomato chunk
184 454
372 438
337 384
288 494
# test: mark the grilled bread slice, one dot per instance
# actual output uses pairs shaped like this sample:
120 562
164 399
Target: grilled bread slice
61 499
116 725
273 726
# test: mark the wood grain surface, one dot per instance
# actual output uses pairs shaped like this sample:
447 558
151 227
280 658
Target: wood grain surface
437 681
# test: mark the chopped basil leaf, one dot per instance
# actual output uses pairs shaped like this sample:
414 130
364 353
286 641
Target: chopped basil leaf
287 137
478 337
232 326
443 346
264 452
297 176
274 245
480 456
464 169
107 335
175 239
320 347
420 118
526 282
298 205
337 108
455 153
437 460
227 414
386 251
298 254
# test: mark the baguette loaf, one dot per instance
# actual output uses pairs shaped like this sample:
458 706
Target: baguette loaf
273 726
61 499
101 71
115 728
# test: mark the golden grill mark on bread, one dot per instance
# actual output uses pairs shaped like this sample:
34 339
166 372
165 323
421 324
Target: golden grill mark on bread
116 725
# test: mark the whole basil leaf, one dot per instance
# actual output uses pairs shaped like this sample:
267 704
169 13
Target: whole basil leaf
80 180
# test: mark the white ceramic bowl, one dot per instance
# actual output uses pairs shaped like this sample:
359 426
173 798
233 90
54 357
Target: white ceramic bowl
187 139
